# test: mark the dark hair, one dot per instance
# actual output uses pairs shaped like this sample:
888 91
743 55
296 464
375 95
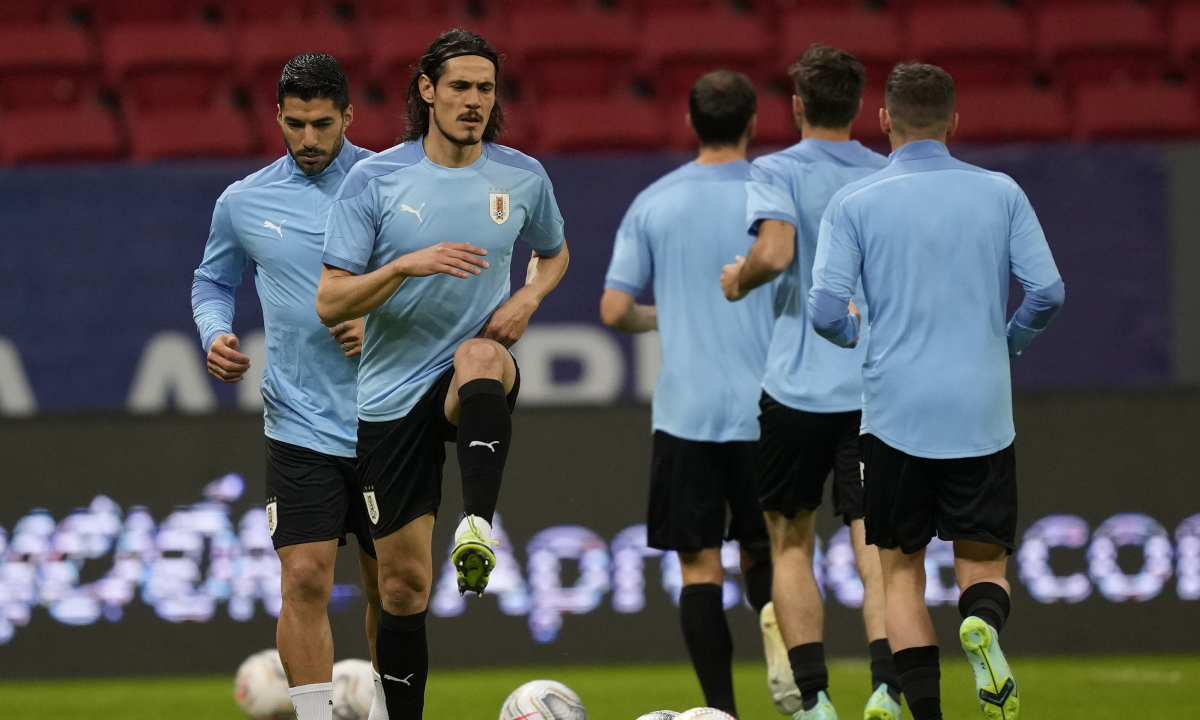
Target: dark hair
314 75
830 82
449 44
920 96
722 103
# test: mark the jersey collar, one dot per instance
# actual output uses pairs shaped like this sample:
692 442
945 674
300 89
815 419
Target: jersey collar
345 160
920 150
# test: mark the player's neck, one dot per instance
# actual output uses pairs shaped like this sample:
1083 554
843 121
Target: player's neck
812 132
442 151
898 140
721 154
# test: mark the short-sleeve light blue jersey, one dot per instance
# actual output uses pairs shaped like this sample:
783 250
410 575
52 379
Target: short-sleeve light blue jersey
400 201
804 371
681 231
934 240
274 220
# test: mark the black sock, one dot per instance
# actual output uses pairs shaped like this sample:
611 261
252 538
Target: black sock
920 679
484 432
706 632
403 654
986 601
758 585
810 672
883 668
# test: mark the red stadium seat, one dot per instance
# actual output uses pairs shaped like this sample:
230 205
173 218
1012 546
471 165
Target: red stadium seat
1136 111
267 11
776 122
217 130
266 48
521 131
377 126
1099 42
865 128
109 13
397 46
679 47
600 124
43 65
975 44
32 12
61 133
1012 113
132 49
1184 27
872 37
572 52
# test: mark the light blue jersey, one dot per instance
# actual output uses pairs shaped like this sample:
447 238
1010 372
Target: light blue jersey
804 371
682 230
934 240
274 220
399 202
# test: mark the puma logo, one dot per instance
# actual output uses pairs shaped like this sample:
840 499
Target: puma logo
483 444
396 679
417 212
277 228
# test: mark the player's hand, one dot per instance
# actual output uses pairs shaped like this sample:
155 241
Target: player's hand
730 283
457 259
858 317
225 363
508 323
349 335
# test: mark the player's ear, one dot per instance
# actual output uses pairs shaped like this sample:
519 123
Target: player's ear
425 87
687 120
797 109
952 127
347 117
885 121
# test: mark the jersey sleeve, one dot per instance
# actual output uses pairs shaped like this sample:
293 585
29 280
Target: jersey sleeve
220 272
768 196
837 267
351 229
543 229
631 265
1033 265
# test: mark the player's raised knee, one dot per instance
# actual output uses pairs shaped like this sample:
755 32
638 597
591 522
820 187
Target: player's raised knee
479 356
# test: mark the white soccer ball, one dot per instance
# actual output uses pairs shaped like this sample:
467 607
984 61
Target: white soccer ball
660 715
353 689
261 688
705 713
543 700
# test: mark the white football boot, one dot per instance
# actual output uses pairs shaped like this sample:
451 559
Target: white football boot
780 680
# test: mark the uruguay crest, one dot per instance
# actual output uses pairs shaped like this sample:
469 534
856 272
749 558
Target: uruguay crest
498 207
372 506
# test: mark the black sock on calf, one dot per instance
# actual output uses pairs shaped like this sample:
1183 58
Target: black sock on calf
883 668
921 680
706 632
758 585
988 602
403 653
484 433
810 672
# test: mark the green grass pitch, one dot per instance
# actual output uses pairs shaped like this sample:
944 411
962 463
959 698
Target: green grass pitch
1108 688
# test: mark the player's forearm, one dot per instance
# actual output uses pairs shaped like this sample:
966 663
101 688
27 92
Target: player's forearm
1037 310
342 296
545 273
619 311
212 308
769 256
831 318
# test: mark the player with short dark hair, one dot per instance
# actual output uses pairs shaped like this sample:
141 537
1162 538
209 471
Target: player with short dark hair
274 221
933 241
435 365
678 232
811 391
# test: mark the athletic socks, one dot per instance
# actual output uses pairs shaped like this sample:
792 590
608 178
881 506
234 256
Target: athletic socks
706 632
403 654
883 668
920 679
986 601
378 704
810 672
758 585
484 433
313 702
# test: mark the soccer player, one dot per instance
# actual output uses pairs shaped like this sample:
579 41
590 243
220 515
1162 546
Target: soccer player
406 242
274 220
679 232
812 391
933 240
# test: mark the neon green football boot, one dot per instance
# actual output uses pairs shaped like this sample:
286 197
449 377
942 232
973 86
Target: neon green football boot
881 706
997 688
823 710
472 555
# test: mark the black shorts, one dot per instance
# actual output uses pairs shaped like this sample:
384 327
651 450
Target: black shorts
313 497
701 494
400 461
909 499
797 450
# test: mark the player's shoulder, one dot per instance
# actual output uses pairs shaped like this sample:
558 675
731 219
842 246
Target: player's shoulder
378 165
276 172
510 157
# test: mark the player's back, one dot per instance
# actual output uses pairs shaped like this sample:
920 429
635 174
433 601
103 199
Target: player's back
713 351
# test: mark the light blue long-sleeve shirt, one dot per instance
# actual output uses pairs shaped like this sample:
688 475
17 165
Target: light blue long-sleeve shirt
804 372
933 241
274 220
681 231
400 201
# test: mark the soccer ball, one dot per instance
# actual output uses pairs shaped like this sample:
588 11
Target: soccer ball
261 688
660 715
543 700
705 714
353 689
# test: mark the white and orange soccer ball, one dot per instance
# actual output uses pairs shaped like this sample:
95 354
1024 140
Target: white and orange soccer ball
543 700
660 715
261 688
353 689
705 713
